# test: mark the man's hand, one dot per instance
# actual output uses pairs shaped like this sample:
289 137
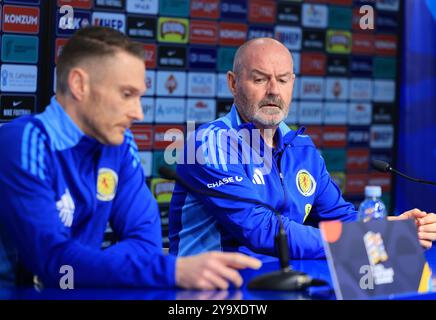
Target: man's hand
213 270
425 223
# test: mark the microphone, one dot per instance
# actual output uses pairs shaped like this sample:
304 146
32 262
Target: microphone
286 279
383 166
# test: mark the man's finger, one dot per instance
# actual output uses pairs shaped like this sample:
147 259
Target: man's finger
227 274
239 261
428 219
431 227
215 279
431 236
425 243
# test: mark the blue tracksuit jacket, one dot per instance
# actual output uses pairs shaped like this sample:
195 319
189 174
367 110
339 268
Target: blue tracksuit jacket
59 189
297 184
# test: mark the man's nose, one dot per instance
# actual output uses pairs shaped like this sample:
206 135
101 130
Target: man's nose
273 87
136 113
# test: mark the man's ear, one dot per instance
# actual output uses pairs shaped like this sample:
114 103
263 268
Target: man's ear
78 83
231 82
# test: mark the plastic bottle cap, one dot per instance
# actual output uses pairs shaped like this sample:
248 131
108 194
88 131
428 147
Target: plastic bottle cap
373 191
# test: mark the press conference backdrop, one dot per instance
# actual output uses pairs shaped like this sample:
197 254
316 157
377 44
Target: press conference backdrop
417 127
346 91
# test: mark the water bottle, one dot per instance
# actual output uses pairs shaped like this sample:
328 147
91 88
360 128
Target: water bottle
372 207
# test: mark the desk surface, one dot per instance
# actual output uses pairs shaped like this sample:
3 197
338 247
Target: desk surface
315 268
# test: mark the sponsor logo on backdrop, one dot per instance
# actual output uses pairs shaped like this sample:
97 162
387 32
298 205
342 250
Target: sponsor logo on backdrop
82 19
296 57
162 189
387 22
18 78
262 11
13 106
170 110
383 113
312 88
176 131
334 159
20 19
385 67
339 179
146 162
315 133
234 9
288 13
338 41
335 113
150 55
338 65
19 48
143 136
340 18
148 105
225 59
359 113
150 82
361 66
201 110
173 30
313 40
315 15
313 63
141 27
202 58
142 6
201 84
334 136
337 89
223 107
260 32
358 136
357 19
361 89
292 117
178 8
310 112
389 5
384 91
112 20
232 34
363 43
60 43
205 8
357 159
222 87
355 183
171 83
170 56
384 155
291 37
385 45
380 179
203 32
296 89
79 4
382 136
110 4
341 2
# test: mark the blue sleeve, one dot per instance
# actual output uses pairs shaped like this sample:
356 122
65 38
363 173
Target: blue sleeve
28 213
253 225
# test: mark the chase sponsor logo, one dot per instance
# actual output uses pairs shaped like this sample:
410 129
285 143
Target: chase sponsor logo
361 89
260 32
337 89
112 20
234 9
107 182
202 58
315 15
20 19
338 41
170 110
312 88
289 13
201 111
291 37
384 91
18 78
382 136
224 181
310 112
359 113
110 4
81 20
173 30
205 8
19 48
338 65
141 27
313 40
335 113
142 6
170 56
13 106
305 182
201 84
358 136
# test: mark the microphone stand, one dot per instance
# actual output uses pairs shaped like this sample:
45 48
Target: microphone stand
285 279
383 166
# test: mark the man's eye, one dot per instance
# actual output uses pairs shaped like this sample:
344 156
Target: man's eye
284 81
259 80
127 94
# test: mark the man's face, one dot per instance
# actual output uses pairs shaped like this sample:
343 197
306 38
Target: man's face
113 102
262 88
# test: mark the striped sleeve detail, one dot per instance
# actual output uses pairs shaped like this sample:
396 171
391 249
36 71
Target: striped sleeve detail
33 151
133 149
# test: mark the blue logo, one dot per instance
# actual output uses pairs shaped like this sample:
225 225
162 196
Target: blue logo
202 58
80 20
234 9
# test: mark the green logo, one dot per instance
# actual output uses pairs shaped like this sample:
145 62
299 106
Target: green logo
20 48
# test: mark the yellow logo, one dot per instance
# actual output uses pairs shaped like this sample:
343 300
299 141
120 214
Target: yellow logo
305 183
106 184
307 209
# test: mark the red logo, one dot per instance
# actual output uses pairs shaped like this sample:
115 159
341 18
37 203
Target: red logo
357 159
335 137
385 45
363 43
262 11
172 131
380 179
205 9
60 43
143 135
315 133
20 19
171 84
80 4
150 55
313 64
355 183
232 34
203 32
